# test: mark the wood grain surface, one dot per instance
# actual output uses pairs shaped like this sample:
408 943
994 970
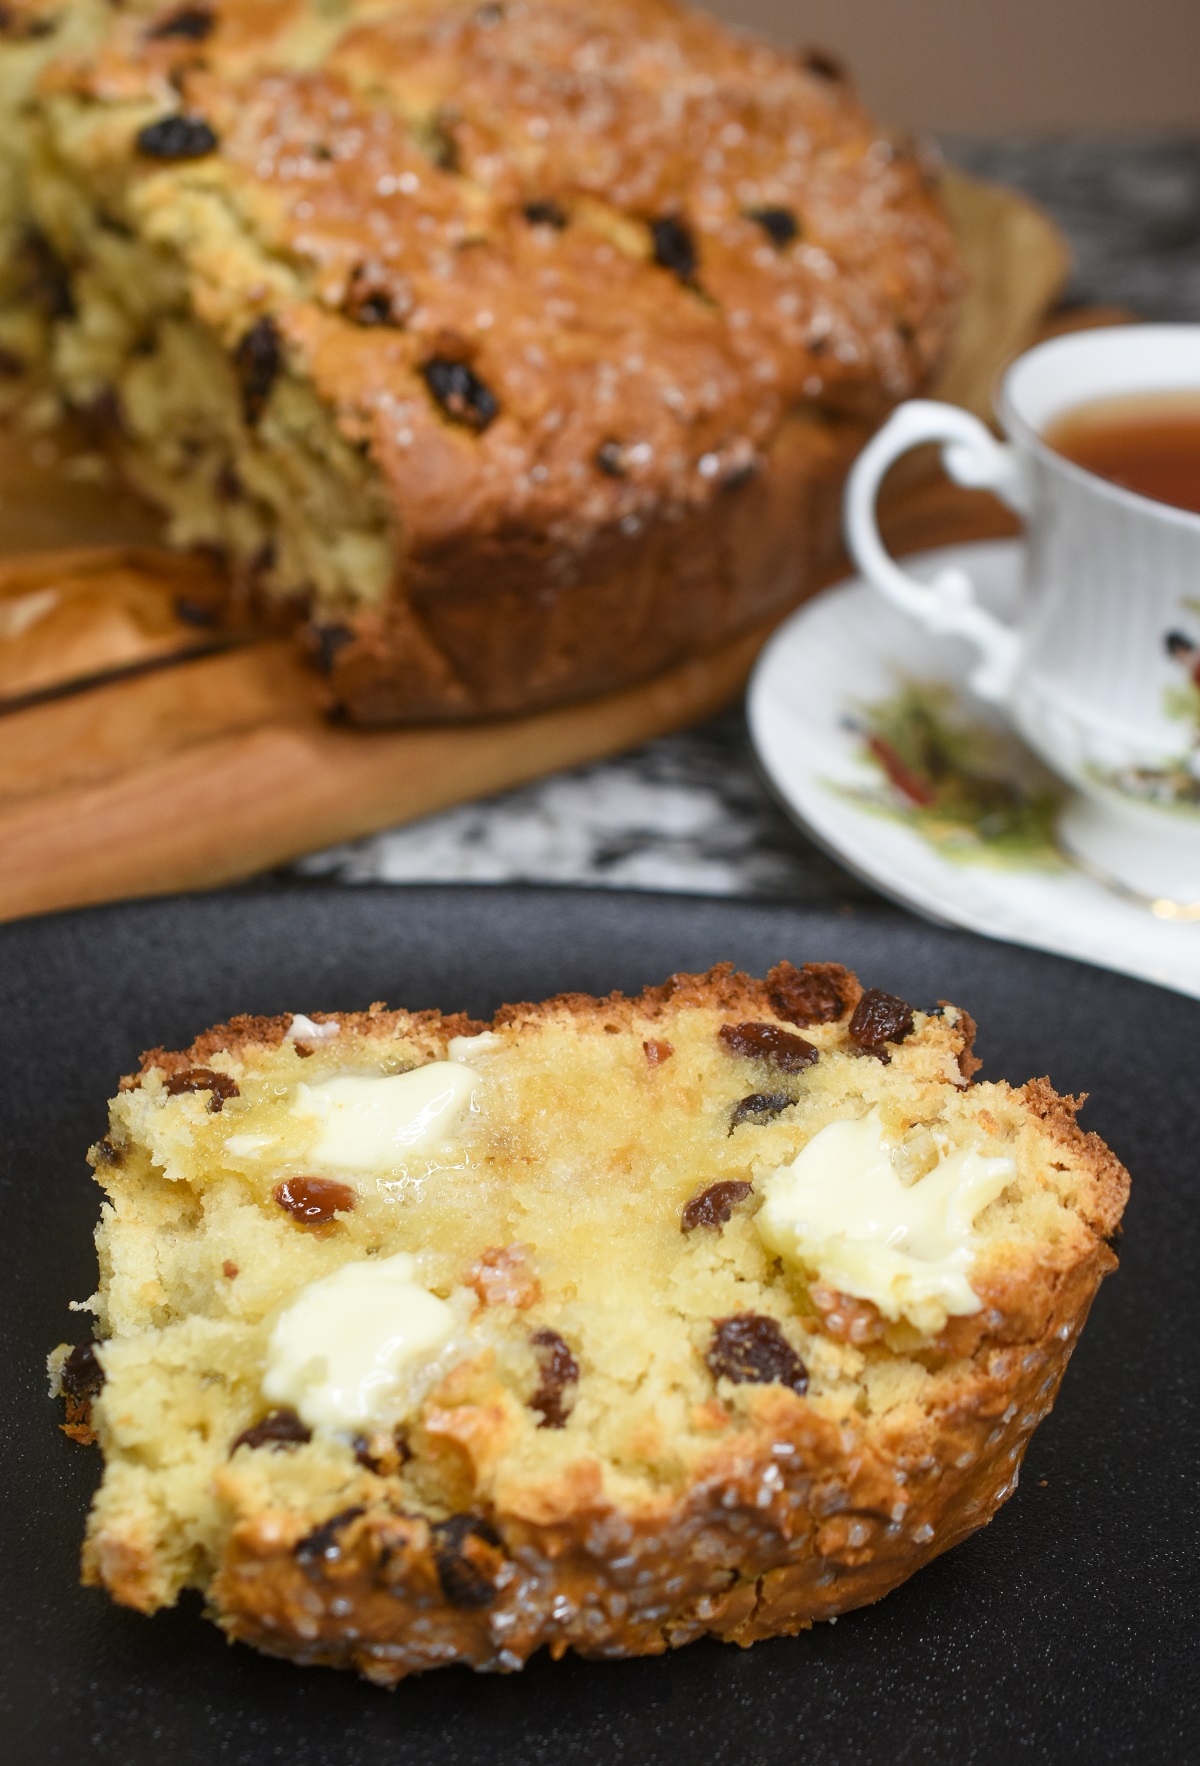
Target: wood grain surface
141 751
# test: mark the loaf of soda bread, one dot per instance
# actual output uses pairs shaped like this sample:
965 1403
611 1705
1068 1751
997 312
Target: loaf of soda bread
603 1326
521 346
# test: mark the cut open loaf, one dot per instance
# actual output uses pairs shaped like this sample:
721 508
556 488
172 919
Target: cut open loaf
521 348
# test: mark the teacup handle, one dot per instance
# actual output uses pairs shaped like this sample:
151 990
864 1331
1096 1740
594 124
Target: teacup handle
972 456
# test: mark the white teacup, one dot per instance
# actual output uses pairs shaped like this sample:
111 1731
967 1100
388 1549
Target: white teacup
1086 672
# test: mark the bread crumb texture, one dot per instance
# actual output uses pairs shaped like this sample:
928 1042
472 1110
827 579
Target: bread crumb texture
631 1422
523 346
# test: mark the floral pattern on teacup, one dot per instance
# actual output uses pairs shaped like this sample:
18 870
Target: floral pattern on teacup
1176 783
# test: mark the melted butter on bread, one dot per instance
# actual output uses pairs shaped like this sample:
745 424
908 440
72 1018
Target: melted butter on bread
339 1351
841 1208
368 1122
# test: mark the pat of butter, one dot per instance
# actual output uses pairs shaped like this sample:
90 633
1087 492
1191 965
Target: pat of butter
340 1350
371 1122
841 1209
304 1029
466 1048
245 1146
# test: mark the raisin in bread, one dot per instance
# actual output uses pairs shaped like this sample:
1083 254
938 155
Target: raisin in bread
525 345
606 1325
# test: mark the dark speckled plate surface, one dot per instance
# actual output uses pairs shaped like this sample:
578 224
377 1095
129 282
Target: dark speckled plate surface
1066 1631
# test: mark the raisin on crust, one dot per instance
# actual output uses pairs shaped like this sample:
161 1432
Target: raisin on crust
525 348
634 1435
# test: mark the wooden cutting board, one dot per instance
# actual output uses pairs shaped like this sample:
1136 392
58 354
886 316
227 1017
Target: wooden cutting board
139 754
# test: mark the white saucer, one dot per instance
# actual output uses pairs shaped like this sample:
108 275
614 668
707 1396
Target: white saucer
849 649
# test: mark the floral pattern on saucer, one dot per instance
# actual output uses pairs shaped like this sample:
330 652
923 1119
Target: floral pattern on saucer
853 710
955 782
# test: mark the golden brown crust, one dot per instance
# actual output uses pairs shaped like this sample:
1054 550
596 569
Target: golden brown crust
1058 1114
486 633
684 273
245 1032
968 1061
794 1516
125 1565
797 1521
722 987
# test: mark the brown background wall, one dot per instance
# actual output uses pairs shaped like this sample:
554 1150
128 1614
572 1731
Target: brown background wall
987 66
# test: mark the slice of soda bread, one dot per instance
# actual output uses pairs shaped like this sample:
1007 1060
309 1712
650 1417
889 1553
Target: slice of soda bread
603 1326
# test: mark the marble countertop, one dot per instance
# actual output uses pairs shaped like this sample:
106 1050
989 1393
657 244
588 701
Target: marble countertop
690 812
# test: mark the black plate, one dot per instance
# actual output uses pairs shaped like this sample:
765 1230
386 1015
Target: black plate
1065 1631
